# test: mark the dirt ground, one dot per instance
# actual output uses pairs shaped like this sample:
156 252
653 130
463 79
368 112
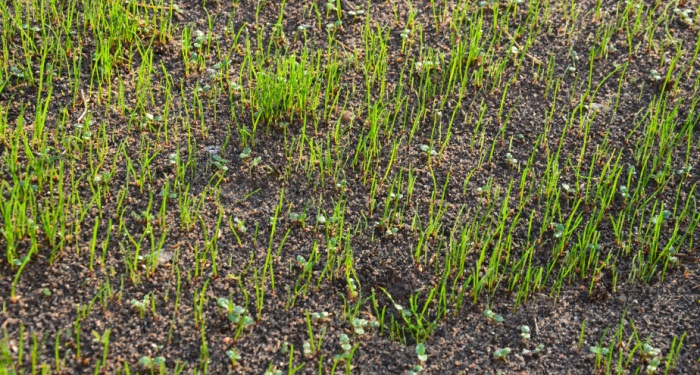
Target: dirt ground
57 310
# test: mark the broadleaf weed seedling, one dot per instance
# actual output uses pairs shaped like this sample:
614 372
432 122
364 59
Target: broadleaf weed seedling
624 192
151 364
298 219
233 356
141 306
320 317
568 189
352 289
558 229
492 316
501 354
313 346
238 228
422 357
525 332
512 162
359 325
420 352
428 150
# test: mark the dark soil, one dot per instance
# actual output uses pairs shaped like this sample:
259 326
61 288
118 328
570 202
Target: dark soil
56 292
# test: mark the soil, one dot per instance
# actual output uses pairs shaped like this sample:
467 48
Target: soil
54 294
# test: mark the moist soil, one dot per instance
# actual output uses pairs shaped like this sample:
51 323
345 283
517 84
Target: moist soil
55 293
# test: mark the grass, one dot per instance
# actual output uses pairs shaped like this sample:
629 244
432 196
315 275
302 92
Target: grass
119 151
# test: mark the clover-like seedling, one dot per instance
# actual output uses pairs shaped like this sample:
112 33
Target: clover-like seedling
405 313
658 176
282 125
239 315
320 219
405 33
299 219
501 353
599 350
359 325
342 185
422 67
199 38
492 316
102 178
220 163
141 306
225 304
428 150
235 87
684 15
19 261
649 351
511 162
356 13
240 225
685 171
85 134
672 255
16 72
256 161
655 75
594 247
233 355
558 230
568 189
204 88
624 191
653 365
345 342
332 244
525 332
144 217
245 154
420 352
285 348
381 224
392 231
163 192
221 64
662 217
173 158
483 191
151 363
346 346
236 314
150 118
333 26
539 348
320 317
352 288
308 352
